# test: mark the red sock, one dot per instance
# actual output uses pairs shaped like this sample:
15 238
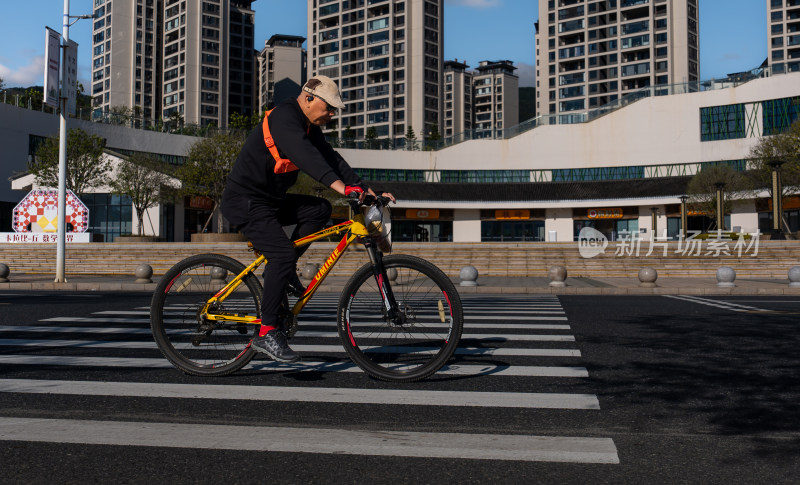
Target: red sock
265 329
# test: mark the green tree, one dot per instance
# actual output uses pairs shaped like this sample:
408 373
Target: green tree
244 123
434 137
348 136
2 83
783 147
207 167
141 177
371 136
87 166
702 188
35 96
333 139
239 122
174 123
411 138
83 104
119 115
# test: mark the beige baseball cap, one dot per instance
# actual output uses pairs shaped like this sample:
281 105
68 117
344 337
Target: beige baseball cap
325 88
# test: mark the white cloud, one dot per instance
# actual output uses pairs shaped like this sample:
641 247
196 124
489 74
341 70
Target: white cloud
25 76
475 3
731 56
527 75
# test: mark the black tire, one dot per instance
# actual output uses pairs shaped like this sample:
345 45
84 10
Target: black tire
197 347
433 320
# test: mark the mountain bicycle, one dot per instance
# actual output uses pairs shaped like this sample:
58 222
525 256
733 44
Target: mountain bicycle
399 317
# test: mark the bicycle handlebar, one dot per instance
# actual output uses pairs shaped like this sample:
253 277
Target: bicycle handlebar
368 201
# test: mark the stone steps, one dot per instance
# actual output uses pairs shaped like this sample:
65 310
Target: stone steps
491 259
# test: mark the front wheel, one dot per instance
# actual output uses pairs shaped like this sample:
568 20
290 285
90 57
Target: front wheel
191 342
419 339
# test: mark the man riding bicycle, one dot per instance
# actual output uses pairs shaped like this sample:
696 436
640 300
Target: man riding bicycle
255 200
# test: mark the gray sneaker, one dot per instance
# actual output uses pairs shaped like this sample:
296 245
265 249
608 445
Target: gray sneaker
275 346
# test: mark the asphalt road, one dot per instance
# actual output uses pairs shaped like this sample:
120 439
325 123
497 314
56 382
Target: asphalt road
578 389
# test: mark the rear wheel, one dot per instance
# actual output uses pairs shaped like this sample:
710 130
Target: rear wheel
417 342
190 342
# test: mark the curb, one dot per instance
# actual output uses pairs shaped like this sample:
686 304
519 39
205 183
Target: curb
463 290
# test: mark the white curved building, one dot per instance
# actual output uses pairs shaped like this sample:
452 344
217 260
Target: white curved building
610 172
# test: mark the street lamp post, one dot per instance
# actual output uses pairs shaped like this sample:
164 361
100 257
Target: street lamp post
720 206
777 202
684 216
62 156
654 221
62 150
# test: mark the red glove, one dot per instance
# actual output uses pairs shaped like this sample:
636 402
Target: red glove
353 189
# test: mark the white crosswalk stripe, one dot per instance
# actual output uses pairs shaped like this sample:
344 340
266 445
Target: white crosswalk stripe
313 440
512 338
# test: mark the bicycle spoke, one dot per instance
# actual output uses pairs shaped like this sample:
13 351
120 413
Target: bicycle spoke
420 340
194 343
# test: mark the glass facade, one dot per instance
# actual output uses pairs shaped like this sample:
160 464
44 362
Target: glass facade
109 214
485 176
722 122
602 173
511 231
422 231
389 175
779 114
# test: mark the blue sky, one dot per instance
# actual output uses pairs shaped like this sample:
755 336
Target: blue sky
733 34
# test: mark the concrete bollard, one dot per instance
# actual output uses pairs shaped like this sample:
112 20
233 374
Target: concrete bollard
391 273
558 276
794 277
143 273
218 275
725 277
468 276
648 277
309 271
4 272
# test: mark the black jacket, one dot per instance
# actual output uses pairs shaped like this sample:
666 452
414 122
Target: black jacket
253 173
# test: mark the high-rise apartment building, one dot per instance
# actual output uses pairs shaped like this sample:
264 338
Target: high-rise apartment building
126 52
242 94
162 57
495 97
387 58
457 98
784 35
591 52
281 70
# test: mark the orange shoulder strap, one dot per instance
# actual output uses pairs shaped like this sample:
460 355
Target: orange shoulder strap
282 165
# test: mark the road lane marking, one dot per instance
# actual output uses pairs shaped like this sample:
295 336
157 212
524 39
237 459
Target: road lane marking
334 349
716 303
305 366
304 394
313 440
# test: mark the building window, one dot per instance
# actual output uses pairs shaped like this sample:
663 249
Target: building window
109 215
722 122
593 174
484 176
779 114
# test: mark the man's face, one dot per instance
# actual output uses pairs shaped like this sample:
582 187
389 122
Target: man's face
319 112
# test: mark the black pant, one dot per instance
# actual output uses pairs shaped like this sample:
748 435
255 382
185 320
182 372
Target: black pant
262 224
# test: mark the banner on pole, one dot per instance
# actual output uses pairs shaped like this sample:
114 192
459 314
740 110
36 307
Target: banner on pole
70 86
52 63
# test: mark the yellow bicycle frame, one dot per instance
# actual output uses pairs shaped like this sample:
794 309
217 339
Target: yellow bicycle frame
353 229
